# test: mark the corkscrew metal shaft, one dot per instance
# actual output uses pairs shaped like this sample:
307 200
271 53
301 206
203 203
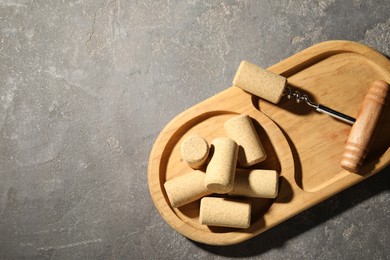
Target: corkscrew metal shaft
319 108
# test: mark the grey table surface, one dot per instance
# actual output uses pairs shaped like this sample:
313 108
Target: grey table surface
87 86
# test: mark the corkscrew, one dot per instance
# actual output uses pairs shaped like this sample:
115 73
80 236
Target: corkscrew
272 87
319 108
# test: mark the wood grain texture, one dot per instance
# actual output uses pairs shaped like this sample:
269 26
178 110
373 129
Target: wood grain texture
360 137
303 146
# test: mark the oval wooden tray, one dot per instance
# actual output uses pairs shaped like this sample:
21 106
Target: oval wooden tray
305 147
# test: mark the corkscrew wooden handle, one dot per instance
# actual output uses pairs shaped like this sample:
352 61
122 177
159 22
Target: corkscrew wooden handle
360 137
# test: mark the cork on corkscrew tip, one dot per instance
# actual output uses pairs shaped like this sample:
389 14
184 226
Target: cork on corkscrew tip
260 82
271 86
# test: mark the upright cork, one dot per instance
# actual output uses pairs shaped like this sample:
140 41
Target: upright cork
256 183
186 188
222 166
224 212
260 82
242 131
194 150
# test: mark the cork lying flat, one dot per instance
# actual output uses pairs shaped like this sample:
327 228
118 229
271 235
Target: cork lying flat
222 166
256 183
260 82
242 131
225 212
186 188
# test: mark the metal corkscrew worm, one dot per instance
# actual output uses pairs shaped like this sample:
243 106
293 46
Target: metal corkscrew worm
319 108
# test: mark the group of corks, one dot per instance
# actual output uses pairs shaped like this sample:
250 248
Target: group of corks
242 145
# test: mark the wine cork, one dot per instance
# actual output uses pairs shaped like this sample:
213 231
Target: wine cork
242 131
222 166
260 82
186 188
224 212
256 183
194 150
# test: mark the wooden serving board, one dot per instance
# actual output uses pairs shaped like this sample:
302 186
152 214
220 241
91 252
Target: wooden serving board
304 146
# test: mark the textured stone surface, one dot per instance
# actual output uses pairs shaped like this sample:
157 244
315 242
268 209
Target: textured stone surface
86 87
